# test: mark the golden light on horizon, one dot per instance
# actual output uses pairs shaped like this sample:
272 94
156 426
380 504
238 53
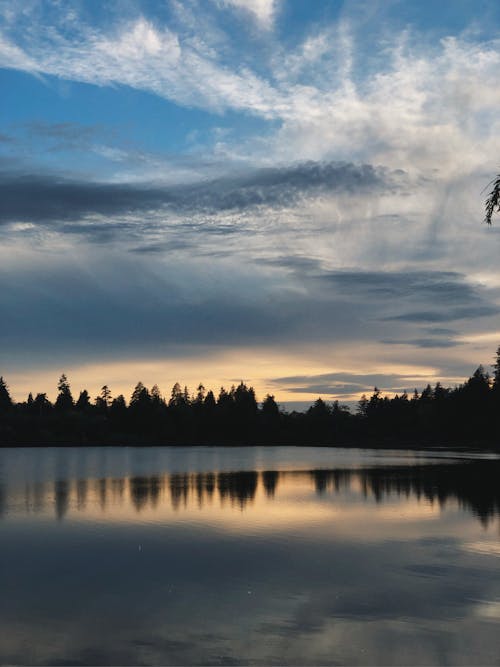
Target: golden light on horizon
269 371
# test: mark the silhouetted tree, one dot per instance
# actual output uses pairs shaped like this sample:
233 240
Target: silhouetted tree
64 401
5 399
140 396
245 409
270 416
104 399
200 395
178 398
465 414
42 404
209 401
479 384
83 402
118 412
156 397
362 408
118 404
496 371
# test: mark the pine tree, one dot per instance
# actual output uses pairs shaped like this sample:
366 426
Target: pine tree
5 399
64 399
496 371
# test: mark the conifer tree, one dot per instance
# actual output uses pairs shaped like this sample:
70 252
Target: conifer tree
64 399
5 399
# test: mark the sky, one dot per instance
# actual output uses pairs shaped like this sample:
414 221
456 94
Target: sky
275 191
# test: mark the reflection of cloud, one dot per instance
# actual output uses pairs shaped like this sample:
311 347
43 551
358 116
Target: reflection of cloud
483 547
315 577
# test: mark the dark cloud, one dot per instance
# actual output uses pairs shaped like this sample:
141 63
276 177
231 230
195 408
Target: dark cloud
109 307
448 315
322 389
422 342
412 298
346 383
48 198
441 331
442 287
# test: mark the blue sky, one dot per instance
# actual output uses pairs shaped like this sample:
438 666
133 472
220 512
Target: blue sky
283 192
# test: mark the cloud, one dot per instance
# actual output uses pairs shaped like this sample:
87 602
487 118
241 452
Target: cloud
447 287
146 58
348 384
263 11
49 198
448 315
422 342
345 217
170 297
421 105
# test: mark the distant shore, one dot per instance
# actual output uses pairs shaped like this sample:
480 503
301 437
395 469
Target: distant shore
446 417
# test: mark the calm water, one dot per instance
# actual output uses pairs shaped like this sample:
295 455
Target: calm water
248 556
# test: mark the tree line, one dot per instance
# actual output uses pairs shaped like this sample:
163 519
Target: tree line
467 413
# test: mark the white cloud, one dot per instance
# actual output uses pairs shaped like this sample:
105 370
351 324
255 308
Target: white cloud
13 57
420 109
146 58
264 11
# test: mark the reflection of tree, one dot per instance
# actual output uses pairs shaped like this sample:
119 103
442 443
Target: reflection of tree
81 493
61 497
39 496
145 491
330 480
154 490
240 487
118 488
209 483
179 489
474 485
270 482
204 484
102 491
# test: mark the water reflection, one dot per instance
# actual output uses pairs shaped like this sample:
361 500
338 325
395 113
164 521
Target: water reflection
250 557
473 485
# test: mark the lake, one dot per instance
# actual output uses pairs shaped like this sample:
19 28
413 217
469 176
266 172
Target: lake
266 555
